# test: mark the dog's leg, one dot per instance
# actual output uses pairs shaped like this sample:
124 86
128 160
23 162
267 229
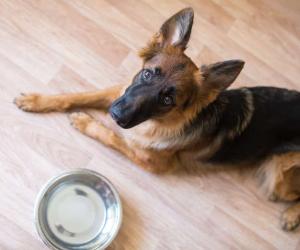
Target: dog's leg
153 161
101 99
291 217
281 178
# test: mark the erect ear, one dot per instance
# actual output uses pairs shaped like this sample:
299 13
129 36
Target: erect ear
177 29
220 75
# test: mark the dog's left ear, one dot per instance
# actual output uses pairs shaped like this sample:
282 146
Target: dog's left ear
221 75
177 29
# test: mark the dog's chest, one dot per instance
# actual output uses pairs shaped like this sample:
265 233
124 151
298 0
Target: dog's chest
144 141
192 145
146 135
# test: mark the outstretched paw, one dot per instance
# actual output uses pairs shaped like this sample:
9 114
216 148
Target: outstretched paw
290 219
28 102
80 120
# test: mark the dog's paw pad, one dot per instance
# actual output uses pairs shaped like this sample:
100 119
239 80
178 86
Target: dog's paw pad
80 120
27 102
290 220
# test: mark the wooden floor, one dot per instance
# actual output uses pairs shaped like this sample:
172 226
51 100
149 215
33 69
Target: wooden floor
77 45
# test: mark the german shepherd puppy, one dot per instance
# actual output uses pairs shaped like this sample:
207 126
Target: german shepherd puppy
175 114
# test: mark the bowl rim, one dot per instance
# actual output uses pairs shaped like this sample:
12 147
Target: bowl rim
56 179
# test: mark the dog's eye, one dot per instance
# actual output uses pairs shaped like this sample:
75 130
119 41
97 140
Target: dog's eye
167 100
147 74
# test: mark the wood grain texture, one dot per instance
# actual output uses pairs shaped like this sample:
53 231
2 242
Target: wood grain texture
75 45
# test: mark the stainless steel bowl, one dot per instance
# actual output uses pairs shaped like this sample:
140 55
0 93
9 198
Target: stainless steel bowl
78 210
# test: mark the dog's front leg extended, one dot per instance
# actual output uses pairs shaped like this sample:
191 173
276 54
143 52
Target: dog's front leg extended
153 161
101 99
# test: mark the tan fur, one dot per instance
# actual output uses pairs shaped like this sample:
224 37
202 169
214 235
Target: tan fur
46 103
159 145
275 174
280 179
151 160
291 217
159 133
248 109
153 47
156 145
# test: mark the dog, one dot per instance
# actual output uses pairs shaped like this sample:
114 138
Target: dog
175 114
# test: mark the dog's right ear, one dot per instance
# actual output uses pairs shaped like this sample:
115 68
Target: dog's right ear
175 32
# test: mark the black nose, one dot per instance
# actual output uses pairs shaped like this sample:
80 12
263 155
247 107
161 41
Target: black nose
116 114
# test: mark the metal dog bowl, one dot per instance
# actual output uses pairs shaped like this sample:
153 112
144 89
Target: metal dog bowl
78 210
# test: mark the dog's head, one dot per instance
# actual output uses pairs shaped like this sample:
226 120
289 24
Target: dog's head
170 86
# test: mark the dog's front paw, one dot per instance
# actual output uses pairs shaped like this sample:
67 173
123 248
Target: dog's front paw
28 102
80 120
290 219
